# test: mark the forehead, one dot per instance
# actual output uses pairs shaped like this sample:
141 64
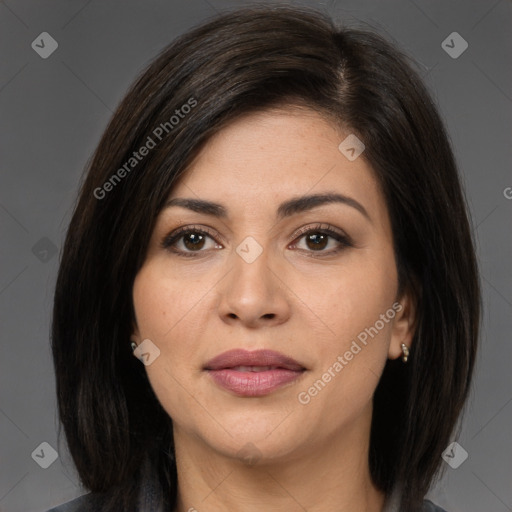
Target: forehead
266 157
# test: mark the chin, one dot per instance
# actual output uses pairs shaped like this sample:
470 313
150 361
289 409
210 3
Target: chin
255 441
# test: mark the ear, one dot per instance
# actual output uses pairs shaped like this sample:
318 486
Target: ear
135 336
404 323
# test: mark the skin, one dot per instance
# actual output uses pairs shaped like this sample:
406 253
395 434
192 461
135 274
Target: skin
310 456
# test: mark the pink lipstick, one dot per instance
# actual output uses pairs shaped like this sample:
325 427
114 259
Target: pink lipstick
254 373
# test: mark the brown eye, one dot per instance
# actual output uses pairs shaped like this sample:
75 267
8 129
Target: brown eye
317 241
193 241
317 238
187 241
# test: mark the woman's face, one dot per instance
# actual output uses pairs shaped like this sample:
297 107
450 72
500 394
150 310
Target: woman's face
264 276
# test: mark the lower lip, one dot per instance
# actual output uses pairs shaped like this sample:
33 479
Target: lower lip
253 383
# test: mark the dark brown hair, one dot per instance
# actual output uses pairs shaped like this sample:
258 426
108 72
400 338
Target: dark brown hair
244 61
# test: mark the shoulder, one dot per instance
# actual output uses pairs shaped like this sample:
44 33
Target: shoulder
149 499
428 506
83 503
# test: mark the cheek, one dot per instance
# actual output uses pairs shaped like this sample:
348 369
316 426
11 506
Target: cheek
160 301
166 311
164 308
352 355
340 305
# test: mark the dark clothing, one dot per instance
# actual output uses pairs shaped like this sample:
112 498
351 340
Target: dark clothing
149 500
82 504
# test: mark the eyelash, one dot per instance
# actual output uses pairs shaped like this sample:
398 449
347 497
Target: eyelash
344 240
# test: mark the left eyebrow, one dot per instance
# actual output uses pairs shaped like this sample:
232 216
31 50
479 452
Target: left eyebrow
305 203
286 209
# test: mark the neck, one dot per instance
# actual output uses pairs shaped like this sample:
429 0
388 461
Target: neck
333 475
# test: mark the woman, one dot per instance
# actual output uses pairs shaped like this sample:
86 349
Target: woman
274 226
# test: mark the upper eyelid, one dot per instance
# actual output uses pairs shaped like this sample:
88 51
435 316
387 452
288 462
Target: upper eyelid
319 226
193 228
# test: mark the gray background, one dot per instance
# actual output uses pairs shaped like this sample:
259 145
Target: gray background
53 112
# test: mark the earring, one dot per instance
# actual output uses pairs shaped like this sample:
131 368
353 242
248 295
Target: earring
405 352
133 345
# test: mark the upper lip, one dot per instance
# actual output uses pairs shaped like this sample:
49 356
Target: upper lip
240 357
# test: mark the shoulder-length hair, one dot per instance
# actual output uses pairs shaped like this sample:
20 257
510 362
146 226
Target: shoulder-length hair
240 62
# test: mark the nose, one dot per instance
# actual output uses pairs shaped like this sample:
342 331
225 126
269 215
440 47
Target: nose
254 293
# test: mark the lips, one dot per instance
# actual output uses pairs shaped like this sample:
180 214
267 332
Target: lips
239 358
253 374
